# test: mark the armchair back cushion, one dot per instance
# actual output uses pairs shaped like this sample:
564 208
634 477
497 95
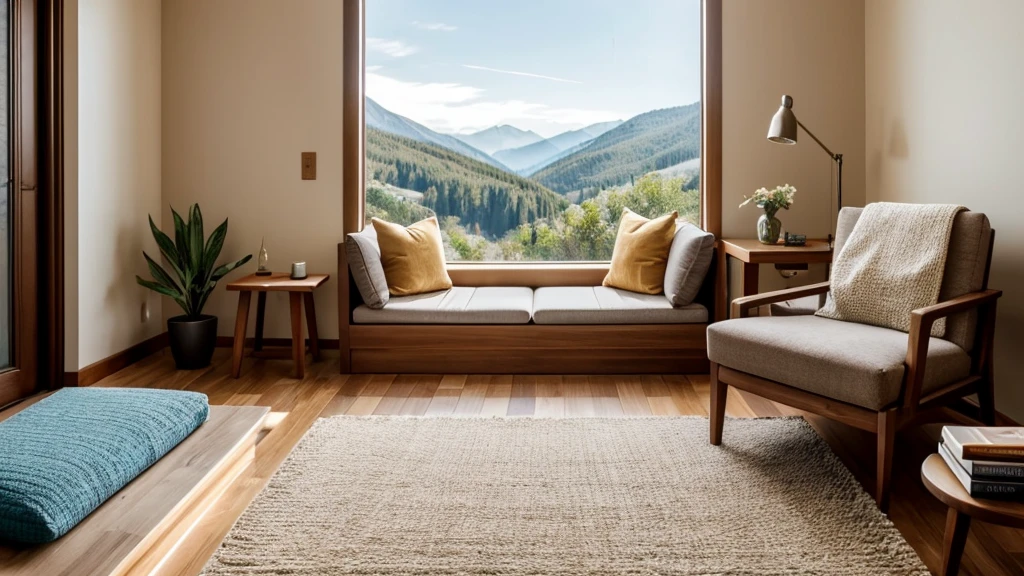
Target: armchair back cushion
366 268
688 261
969 244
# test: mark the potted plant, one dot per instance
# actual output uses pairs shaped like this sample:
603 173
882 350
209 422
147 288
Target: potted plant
771 201
193 259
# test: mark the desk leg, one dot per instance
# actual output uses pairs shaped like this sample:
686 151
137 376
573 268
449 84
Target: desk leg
957 526
298 344
750 278
261 309
241 321
314 337
722 297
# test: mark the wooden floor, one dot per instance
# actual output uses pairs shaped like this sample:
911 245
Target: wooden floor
296 404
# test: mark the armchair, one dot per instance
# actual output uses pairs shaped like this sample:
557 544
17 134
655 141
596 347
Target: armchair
872 378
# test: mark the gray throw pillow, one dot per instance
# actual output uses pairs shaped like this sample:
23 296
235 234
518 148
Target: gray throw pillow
367 271
688 261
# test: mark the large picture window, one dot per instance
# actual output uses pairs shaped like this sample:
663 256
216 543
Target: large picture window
526 127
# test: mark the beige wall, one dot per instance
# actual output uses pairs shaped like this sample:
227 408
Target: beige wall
118 175
945 124
812 50
248 86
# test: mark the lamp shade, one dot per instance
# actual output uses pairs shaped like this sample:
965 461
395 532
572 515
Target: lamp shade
782 130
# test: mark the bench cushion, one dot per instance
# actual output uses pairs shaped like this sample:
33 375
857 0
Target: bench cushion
688 261
604 305
459 305
854 363
68 453
367 270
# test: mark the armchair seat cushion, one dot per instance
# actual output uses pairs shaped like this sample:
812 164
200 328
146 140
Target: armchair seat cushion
854 363
458 305
605 305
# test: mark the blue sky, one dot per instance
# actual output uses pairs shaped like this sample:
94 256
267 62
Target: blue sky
458 66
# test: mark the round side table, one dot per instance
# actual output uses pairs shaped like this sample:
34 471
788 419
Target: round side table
941 482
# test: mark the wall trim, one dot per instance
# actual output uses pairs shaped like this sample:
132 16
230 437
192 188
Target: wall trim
102 368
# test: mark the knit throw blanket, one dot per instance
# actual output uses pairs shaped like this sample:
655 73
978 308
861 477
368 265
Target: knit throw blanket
891 264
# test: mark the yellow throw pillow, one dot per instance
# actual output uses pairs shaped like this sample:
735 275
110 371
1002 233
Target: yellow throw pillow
412 257
641 253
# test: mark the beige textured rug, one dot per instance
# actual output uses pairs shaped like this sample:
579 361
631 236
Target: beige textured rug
392 495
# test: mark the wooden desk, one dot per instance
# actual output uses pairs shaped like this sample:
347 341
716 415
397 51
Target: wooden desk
753 253
298 291
941 482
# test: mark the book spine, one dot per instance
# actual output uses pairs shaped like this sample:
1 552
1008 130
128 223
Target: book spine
1000 490
997 472
993 452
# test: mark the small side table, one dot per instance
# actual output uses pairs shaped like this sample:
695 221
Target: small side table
753 253
298 290
941 482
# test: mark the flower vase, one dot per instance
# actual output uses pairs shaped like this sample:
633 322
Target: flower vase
768 229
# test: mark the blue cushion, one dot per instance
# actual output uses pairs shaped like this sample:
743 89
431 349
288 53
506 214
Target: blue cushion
65 455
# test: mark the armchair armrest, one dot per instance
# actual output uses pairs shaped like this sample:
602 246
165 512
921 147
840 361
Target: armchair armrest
921 322
742 306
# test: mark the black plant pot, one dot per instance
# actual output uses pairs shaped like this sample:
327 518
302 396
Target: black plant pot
192 340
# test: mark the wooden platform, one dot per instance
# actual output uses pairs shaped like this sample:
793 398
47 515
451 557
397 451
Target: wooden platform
134 531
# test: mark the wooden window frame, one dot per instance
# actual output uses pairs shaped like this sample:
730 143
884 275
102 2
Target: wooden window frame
528 273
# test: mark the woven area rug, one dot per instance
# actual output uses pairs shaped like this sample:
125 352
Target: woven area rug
518 496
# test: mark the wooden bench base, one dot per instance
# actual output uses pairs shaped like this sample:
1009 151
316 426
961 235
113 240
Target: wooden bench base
135 530
529 349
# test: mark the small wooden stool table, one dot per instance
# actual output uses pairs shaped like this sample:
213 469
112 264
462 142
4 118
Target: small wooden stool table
941 482
298 290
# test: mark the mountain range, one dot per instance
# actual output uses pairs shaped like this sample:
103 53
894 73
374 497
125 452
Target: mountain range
534 156
500 138
650 141
387 121
523 177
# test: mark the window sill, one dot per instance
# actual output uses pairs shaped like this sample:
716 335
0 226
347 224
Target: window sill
532 274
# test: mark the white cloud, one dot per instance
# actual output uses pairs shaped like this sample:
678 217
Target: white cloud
434 26
458 108
393 48
515 73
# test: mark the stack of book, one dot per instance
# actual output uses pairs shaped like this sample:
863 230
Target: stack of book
988 461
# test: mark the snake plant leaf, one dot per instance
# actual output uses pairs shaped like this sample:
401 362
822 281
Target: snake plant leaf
195 239
225 269
212 250
168 249
180 239
160 274
161 289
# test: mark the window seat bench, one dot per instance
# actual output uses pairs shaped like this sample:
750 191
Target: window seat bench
509 319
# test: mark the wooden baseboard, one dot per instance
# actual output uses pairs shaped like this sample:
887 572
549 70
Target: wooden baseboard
229 341
101 369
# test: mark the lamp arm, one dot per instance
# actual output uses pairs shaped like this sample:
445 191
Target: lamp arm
820 143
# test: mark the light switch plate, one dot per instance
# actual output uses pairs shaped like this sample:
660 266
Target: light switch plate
309 165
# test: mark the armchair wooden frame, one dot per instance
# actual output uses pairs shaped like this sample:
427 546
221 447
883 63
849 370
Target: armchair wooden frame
912 406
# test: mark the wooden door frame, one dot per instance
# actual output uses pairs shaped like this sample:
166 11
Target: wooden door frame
51 237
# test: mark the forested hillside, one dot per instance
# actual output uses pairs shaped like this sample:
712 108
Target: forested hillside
648 142
486 199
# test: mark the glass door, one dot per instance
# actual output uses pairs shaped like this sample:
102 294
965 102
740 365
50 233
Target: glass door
19 199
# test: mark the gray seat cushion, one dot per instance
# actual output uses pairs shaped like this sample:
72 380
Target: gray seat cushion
604 305
853 363
688 261
367 271
459 305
